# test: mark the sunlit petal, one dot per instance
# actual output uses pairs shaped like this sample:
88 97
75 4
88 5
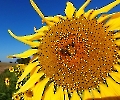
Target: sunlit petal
49 93
25 54
114 87
59 94
88 13
38 90
27 70
42 29
75 96
81 9
87 95
105 91
70 9
66 95
40 13
33 79
32 44
96 94
104 9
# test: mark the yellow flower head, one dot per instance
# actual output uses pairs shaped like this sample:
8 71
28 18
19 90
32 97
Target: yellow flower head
20 67
74 56
11 69
16 97
7 81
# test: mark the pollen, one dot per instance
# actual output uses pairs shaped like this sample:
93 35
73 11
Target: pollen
78 54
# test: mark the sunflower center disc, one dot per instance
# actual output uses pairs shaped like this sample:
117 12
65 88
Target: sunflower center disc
77 54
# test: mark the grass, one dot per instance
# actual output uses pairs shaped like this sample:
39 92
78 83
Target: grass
7 91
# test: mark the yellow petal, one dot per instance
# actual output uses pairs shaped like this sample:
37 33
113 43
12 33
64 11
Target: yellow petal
119 61
115 76
27 70
118 52
117 42
66 95
39 33
115 15
42 29
53 19
103 18
22 67
49 93
117 67
39 88
75 96
95 93
81 9
116 35
59 94
37 9
105 91
114 25
18 65
27 98
87 95
113 18
35 57
114 87
32 37
104 9
88 13
39 12
109 22
25 54
34 70
30 83
32 44
69 11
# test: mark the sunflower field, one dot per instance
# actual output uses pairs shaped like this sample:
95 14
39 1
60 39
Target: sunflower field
7 88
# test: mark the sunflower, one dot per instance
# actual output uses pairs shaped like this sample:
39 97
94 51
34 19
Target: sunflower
7 81
20 68
74 56
11 69
16 97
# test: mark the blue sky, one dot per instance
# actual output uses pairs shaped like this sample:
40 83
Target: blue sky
20 17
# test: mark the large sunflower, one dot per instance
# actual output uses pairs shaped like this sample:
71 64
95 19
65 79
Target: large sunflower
74 56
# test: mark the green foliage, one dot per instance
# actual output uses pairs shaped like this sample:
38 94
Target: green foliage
7 91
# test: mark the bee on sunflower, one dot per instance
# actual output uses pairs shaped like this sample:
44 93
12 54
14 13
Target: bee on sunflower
74 56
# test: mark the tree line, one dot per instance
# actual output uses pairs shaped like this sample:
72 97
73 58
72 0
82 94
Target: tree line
23 60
